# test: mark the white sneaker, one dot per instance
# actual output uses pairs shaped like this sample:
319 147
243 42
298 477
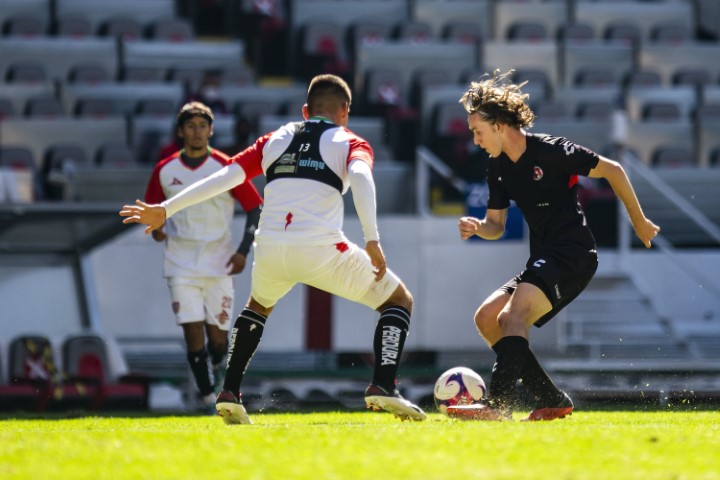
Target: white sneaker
231 409
378 398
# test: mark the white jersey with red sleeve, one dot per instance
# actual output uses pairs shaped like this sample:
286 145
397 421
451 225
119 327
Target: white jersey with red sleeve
303 210
199 237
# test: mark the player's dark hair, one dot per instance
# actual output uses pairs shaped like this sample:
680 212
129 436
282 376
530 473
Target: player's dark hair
194 109
499 101
327 93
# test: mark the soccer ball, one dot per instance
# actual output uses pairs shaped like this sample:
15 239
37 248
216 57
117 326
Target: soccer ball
458 386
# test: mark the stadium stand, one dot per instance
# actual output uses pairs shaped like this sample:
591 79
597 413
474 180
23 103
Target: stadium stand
540 20
465 20
642 17
618 60
58 56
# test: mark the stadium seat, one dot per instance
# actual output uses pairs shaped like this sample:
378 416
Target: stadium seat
173 29
671 33
414 31
143 74
617 61
156 107
531 19
696 77
672 157
642 78
7 109
551 112
715 158
19 175
86 358
368 31
88 73
463 31
595 111
122 27
32 362
45 106
623 32
25 25
660 112
384 90
594 77
427 77
237 77
525 31
538 85
73 25
26 72
576 32
190 77
115 155
543 56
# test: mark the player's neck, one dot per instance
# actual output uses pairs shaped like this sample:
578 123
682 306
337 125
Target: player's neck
191 152
515 144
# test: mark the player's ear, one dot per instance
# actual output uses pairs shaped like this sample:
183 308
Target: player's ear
305 112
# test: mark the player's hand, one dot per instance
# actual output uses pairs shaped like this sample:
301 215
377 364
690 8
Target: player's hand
148 214
468 227
646 231
236 263
158 235
377 257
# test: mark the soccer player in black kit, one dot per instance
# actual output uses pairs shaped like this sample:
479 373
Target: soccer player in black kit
540 173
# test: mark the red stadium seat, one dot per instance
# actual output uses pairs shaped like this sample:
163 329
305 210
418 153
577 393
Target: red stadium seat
86 358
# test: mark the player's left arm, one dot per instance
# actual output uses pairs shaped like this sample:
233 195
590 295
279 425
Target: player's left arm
615 174
237 260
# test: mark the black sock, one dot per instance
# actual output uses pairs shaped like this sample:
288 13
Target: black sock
511 355
216 356
539 384
201 371
244 340
390 334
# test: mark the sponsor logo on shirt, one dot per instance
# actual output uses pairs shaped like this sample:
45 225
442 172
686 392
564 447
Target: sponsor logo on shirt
176 181
537 173
286 164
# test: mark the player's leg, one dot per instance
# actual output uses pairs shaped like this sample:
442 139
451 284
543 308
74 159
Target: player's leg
486 316
268 285
348 273
219 301
526 304
187 303
550 401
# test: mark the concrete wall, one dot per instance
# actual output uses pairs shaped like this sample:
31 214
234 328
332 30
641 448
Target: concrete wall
448 278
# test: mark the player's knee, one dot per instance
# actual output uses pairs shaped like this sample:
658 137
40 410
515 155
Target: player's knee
509 323
486 322
401 297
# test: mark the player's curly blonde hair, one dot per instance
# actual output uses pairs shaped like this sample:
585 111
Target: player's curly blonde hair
497 100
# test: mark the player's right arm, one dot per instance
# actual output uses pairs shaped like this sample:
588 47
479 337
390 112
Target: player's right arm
491 227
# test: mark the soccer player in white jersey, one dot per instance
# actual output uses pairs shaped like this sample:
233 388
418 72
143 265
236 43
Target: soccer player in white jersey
308 166
199 256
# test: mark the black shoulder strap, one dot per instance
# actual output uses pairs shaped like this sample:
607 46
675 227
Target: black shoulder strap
301 159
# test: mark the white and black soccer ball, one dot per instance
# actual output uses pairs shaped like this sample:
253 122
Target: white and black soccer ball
458 386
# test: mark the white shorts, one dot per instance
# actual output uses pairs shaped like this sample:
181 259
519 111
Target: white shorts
347 274
197 299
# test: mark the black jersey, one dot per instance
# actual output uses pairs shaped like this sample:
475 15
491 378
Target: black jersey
543 184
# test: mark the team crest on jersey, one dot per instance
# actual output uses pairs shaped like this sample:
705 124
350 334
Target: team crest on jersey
537 173
286 164
176 181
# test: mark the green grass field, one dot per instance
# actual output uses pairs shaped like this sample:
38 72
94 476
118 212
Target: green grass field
365 445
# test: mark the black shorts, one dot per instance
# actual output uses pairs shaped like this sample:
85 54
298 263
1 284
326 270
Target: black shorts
561 275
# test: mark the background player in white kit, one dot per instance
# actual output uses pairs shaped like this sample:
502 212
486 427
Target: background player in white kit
308 166
199 256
